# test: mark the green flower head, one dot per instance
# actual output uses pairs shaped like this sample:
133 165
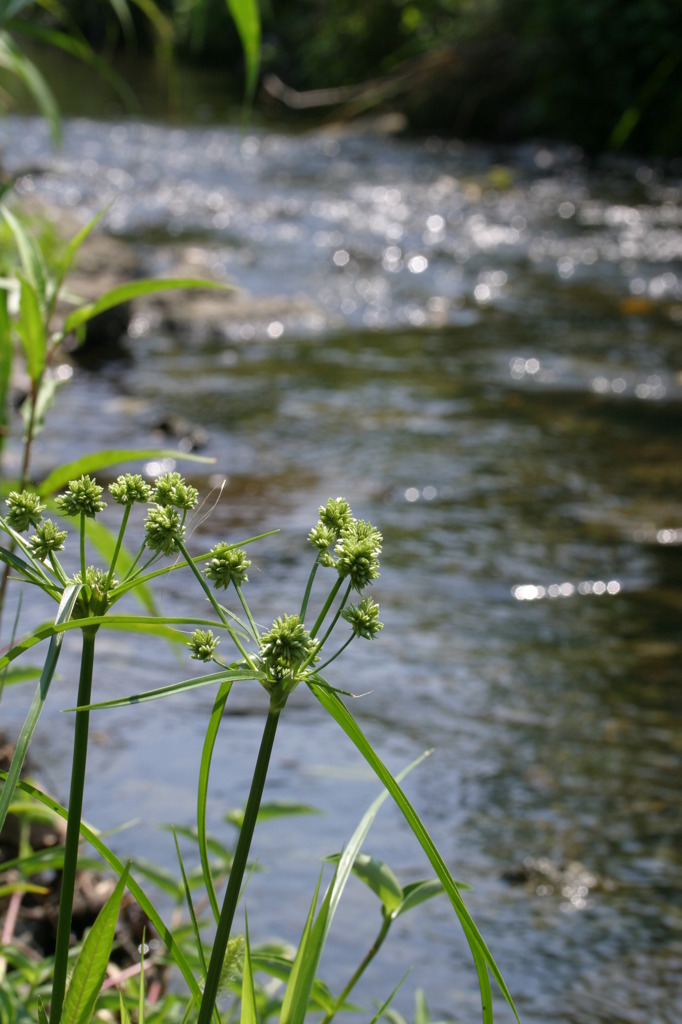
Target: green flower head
322 537
25 510
364 618
81 498
163 529
228 565
336 515
203 644
172 489
47 538
357 553
97 580
286 646
129 489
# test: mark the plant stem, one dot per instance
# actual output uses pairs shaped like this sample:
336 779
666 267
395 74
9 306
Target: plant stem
82 540
119 542
80 751
234 882
219 611
359 971
308 589
327 605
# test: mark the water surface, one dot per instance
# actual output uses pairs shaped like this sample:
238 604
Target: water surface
480 350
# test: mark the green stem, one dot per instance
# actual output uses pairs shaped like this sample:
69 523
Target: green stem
308 589
336 617
318 668
57 568
327 605
83 565
119 542
234 883
219 611
247 611
361 968
80 751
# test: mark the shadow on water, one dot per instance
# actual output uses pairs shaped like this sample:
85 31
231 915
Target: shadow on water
508 412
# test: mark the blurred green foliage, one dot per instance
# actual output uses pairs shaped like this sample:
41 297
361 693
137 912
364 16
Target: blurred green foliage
602 73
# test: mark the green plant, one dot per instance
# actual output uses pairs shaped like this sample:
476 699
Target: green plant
294 651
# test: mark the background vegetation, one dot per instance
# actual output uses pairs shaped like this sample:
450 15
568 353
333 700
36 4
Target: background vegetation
601 73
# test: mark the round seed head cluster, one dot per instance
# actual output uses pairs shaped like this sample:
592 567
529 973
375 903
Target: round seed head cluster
97 580
163 529
286 646
336 515
82 498
47 538
130 488
24 510
228 565
203 644
172 489
323 537
357 553
364 618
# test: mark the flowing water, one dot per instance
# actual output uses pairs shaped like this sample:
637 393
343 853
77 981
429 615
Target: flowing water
481 351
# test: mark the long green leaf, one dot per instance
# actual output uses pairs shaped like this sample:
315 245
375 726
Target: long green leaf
31 571
81 50
18 64
91 966
133 290
134 623
482 957
32 330
32 262
227 675
246 16
310 949
165 934
298 979
72 249
64 614
248 1008
202 792
6 354
87 464
190 906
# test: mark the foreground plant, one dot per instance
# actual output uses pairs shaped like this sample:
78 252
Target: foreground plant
294 650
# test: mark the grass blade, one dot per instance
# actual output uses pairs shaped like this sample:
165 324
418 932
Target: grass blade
30 255
91 966
32 330
246 17
63 615
190 906
134 888
297 996
202 792
248 1009
227 675
133 290
60 476
6 354
480 952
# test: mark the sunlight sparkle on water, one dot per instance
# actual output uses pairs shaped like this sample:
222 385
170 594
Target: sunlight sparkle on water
536 592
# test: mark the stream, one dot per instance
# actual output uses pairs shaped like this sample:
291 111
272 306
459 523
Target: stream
481 350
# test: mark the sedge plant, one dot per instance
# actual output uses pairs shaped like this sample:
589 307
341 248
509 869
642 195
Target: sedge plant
296 649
